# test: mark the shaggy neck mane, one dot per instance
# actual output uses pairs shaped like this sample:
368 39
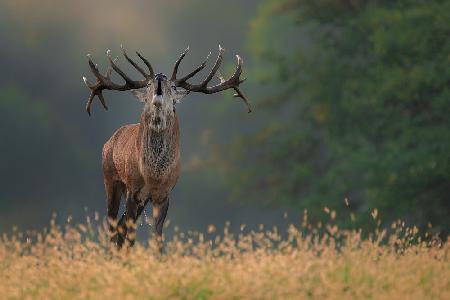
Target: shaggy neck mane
158 149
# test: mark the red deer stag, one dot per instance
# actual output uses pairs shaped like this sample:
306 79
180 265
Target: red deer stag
142 161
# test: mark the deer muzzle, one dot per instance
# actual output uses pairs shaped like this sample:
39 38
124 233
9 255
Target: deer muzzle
157 101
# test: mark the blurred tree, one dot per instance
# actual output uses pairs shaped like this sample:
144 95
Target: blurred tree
361 108
38 158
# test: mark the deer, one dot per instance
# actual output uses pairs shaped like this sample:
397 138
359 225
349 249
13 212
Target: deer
141 162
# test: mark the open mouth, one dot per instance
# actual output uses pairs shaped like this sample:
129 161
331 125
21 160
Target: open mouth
157 121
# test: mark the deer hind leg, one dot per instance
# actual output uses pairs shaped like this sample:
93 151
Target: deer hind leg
113 194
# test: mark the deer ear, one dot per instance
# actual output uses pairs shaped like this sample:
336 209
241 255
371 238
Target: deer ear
179 94
140 95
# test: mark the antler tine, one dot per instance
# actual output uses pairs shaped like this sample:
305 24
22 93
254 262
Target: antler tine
238 93
232 83
215 67
177 64
87 83
91 98
198 69
149 66
118 70
92 87
202 87
135 65
94 69
104 82
89 103
110 69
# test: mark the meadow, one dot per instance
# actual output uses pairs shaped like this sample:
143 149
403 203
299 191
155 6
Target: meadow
350 101
76 261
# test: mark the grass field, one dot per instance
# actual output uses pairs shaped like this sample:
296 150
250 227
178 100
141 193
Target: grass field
325 262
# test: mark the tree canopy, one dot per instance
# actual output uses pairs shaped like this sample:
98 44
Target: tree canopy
361 108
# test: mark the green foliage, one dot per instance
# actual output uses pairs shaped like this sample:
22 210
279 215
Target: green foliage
361 108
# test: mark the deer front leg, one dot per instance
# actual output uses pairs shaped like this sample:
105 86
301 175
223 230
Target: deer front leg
140 209
128 230
121 223
159 216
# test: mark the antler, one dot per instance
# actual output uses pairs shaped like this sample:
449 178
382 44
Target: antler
232 83
104 82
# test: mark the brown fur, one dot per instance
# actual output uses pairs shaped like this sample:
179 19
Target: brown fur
142 161
135 167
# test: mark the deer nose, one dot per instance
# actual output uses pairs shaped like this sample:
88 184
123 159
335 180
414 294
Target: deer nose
159 88
157 101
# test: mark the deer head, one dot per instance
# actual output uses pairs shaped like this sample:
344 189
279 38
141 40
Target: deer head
159 98
158 93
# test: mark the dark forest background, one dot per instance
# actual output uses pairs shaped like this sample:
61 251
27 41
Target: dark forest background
351 101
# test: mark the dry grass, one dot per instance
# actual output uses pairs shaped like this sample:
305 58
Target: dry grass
307 263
